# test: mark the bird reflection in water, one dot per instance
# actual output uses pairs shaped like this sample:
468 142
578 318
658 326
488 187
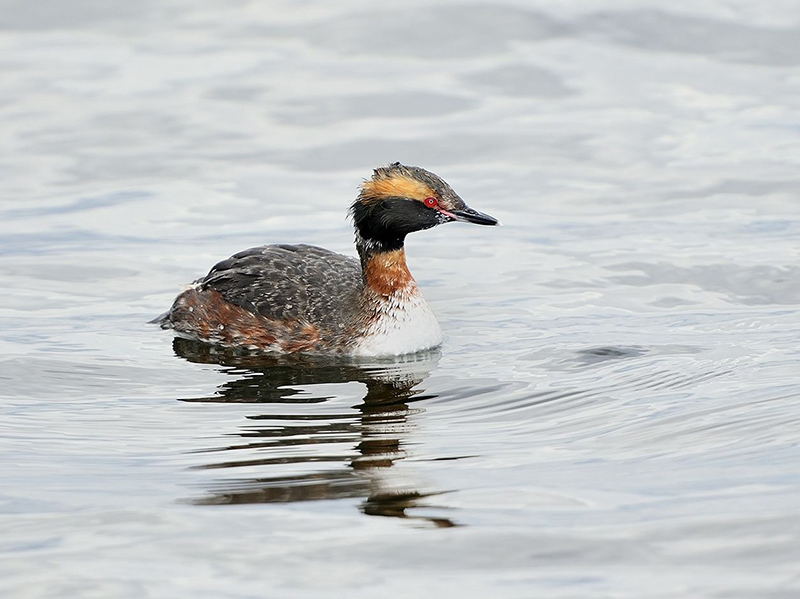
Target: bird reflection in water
360 444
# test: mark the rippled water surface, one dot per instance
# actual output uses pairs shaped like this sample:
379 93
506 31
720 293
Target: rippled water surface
616 409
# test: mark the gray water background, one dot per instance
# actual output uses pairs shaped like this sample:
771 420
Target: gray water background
615 411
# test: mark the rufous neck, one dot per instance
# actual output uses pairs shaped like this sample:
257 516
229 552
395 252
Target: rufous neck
386 273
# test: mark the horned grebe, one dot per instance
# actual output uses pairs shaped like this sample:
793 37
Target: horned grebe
305 299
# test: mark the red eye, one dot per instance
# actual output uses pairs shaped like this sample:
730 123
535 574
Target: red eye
430 202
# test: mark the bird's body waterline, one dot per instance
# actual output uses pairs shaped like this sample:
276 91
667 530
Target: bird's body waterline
305 299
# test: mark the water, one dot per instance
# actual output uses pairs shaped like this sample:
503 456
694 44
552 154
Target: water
615 410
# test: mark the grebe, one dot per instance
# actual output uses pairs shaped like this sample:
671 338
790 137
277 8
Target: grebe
305 299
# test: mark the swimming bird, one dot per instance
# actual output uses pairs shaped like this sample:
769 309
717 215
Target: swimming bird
306 299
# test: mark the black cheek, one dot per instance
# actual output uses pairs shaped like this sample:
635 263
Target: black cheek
410 216
394 218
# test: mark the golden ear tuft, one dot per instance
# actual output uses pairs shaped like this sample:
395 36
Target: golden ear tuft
394 185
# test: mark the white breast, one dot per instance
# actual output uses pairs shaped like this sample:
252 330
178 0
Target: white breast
404 325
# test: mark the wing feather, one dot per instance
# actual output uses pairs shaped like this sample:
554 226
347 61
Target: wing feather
290 282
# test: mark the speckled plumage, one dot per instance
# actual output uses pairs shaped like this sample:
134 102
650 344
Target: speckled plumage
290 289
280 282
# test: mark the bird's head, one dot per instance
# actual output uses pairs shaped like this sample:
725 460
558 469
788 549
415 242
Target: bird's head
399 200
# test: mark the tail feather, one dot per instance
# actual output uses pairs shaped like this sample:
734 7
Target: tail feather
162 320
